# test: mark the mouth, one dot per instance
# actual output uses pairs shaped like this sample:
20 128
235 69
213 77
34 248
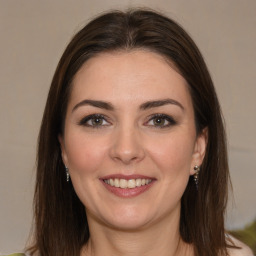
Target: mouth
131 183
127 186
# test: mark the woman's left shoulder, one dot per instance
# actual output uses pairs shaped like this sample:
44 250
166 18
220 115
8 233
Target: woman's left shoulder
244 251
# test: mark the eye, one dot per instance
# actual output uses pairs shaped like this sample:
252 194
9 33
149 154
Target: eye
94 121
161 121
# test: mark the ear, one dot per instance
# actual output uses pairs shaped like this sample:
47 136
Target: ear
199 150
63 150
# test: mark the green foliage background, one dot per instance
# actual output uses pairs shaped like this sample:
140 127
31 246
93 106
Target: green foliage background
247 235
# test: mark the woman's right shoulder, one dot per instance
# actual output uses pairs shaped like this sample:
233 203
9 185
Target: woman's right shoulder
244 251
15 254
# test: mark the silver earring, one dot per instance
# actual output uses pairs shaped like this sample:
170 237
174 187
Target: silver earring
67 173
196 175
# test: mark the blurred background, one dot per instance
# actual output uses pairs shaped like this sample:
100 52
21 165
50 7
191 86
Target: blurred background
34 34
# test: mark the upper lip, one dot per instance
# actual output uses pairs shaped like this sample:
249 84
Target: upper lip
126 177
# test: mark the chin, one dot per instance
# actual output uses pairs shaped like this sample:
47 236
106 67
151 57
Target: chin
129 224
127 219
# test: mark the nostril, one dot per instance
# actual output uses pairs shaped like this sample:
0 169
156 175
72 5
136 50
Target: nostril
126 146
126 158
127 155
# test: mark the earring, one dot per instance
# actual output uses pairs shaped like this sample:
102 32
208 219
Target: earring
196 175
67 173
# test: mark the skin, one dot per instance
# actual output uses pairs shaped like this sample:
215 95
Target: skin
130 142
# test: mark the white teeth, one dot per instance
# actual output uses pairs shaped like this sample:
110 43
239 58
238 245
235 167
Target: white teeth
123 183
116 183
132 183
111 182
138 182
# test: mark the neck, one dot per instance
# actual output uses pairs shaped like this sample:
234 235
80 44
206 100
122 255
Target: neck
162 238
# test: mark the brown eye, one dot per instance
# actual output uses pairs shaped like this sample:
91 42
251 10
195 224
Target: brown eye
94 121
161 121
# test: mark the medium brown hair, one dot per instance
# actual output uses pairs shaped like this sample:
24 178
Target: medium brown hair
61 227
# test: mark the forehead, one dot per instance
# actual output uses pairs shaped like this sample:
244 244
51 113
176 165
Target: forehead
129 77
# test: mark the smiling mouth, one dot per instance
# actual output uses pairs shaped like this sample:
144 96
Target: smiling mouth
130 184
127 186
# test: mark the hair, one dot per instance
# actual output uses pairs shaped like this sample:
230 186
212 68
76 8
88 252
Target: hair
61 227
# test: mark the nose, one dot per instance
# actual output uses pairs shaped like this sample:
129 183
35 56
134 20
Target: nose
127 146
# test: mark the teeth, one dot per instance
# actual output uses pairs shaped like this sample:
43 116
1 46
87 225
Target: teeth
116 183
138 182
132 183
111 182
123 183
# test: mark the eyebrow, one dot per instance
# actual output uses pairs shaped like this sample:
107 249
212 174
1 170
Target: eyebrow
94 103
159 103
146 105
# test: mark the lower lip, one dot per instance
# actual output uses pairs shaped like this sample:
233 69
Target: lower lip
128 192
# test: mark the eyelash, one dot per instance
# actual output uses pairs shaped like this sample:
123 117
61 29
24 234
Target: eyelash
164 117
84 121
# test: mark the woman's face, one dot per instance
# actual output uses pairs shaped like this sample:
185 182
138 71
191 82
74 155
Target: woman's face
130 141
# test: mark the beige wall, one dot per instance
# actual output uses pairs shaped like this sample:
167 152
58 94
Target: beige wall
33 36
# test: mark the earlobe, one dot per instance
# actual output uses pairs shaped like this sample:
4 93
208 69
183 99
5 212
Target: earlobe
199 150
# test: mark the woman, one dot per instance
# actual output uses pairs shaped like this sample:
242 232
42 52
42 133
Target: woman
132 155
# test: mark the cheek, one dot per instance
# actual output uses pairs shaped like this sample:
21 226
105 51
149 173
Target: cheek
84 153
172 155
173 161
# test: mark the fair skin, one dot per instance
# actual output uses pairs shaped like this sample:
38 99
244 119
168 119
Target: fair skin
132 139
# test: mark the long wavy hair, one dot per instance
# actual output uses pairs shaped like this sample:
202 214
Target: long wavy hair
61 227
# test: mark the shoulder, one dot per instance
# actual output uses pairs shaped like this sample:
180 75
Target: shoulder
244 251
15 254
